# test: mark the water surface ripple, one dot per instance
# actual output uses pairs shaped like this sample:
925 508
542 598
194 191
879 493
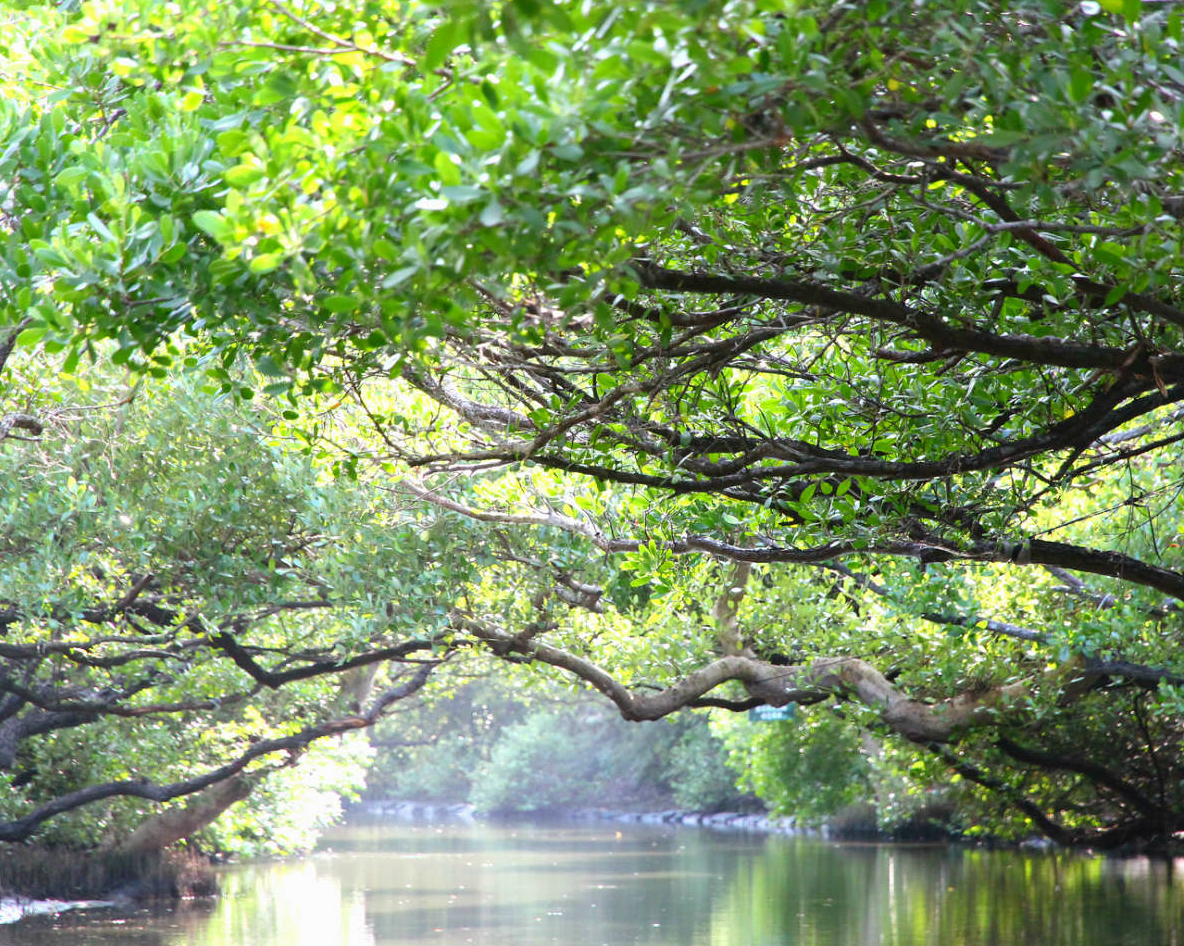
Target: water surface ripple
394 884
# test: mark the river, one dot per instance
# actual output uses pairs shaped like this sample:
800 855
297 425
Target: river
395 884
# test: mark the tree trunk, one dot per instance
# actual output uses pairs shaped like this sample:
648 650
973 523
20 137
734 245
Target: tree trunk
168 827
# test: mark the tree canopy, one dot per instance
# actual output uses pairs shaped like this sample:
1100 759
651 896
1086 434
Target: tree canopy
748 352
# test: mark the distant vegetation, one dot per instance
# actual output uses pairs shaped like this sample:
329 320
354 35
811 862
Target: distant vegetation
537 752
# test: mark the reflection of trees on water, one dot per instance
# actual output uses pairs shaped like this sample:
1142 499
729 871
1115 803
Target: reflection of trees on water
697 889
817 895
529 886
294 903
394 886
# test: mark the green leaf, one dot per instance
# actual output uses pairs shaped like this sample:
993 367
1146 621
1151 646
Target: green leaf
242 175
31 336
570 152
191 100
267 366
398 277
70 177
528 164
462 194
442 41
492 214
233 142
212 223
1112 254
1115 295
386 249
265 263
446 168
173 253
339 303
71 360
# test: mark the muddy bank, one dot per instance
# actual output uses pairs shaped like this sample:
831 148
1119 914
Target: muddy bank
32 879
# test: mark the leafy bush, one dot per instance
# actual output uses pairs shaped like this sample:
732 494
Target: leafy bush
810 768
700 773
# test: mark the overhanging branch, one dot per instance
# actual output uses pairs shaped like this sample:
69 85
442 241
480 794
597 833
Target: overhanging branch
21 829
777 686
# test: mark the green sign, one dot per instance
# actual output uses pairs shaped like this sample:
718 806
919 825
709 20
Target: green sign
771 714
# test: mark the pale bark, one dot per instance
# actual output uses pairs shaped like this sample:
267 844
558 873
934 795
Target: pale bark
357 685
727 610
856 679
169 827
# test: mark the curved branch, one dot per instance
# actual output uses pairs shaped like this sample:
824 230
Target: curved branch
20 829
778 686
1136 673
1091 770
1082 559
485 416
243 659
1051 829
719 702
9 342
9 422
799 459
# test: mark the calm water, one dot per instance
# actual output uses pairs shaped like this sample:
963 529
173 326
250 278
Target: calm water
394 884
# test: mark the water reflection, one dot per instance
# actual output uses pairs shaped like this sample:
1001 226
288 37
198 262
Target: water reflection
396 885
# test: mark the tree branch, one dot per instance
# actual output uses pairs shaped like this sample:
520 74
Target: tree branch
974 774
778 686
20 829
1044 350
1091 770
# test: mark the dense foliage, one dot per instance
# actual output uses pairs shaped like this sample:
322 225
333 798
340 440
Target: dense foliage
140 523
803 351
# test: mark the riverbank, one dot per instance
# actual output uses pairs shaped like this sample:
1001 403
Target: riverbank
13 909
38 881
855 823
720 821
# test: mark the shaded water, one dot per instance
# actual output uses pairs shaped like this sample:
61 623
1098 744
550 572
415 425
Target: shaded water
391 884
